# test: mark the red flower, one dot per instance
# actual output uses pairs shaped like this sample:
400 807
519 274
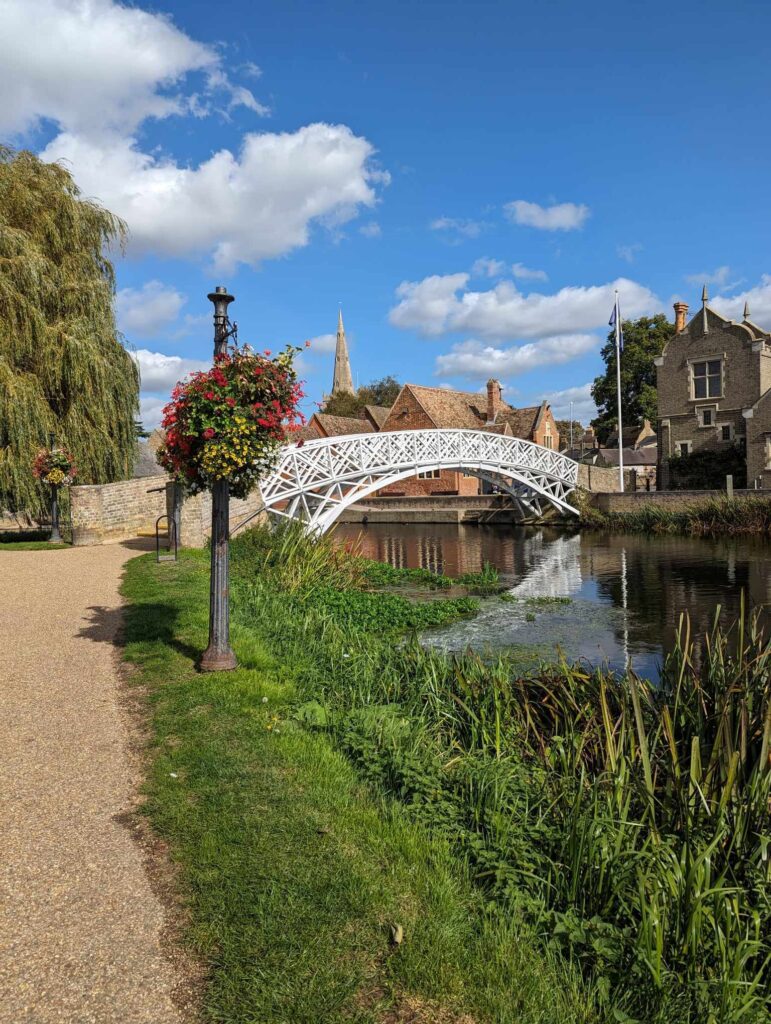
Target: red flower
267 352
209 433
231 402
209 395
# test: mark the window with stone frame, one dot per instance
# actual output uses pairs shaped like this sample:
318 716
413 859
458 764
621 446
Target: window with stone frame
707 378
726 432
683 447
707 417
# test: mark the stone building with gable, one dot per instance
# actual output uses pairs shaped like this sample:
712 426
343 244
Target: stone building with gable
714 390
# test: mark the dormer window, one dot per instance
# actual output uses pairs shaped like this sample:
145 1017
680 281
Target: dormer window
707 378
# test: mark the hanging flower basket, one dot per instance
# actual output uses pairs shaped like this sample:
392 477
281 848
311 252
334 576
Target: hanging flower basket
54 466
230 422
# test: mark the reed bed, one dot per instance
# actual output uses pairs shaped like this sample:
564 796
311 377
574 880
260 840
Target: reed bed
629 823
705 518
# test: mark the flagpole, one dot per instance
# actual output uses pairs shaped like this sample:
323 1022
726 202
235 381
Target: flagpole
618 391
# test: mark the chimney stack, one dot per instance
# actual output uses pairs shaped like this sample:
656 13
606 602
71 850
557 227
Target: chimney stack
494 401
681 315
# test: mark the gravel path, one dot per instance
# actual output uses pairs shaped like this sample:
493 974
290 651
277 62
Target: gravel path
79 923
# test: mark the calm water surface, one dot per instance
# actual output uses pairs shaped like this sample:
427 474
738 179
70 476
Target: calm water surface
626 591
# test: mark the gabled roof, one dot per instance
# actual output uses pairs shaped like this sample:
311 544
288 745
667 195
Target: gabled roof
458 409
632 456
377 414
522 421
467 410
337 426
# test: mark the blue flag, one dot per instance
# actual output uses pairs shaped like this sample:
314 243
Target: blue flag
612 323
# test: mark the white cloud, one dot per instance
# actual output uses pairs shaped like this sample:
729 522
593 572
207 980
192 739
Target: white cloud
520 271
458 228
584 408
323 343
98 70
151 411
160 372
476 361
371 229
559 217
148 310
628 252
719 277
758 299
240 208
94 66
440 305
485 267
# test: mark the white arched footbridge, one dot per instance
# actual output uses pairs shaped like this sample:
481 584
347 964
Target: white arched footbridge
315 481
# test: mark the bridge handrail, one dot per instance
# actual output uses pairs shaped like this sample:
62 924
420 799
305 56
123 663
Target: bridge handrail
570 465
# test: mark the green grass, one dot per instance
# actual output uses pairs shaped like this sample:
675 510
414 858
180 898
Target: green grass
30 545
292 870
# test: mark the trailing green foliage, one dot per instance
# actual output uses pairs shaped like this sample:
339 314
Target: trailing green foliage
63 370
705 517
387 613
384 575
630 824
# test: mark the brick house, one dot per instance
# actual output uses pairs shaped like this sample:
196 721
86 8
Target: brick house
424 408
713 380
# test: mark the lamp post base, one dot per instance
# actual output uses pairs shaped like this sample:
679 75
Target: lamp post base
214 660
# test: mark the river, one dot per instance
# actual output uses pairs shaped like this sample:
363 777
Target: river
624 593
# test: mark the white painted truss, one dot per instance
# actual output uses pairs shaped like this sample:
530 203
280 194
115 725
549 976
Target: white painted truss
316 480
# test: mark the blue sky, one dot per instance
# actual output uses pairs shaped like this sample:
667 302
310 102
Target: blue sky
470 180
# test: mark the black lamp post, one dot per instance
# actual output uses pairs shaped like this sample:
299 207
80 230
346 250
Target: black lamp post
219 656
55 536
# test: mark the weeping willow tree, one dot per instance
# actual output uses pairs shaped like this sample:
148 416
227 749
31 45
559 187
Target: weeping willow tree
63 370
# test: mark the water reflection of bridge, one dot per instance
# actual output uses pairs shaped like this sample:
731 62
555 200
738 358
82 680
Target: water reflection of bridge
651 579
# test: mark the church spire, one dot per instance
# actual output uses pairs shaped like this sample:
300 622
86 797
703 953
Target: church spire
342 380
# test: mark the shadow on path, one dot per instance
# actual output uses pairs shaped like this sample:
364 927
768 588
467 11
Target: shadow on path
155 622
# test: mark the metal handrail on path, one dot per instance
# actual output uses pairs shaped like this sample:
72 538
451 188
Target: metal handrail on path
171 530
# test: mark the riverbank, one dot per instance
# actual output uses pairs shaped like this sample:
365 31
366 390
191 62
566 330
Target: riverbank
564 804
683 514
307 896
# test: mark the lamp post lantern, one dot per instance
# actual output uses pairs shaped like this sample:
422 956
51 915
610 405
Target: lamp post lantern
219 656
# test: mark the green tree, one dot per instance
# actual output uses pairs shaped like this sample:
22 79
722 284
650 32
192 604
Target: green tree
563 426
377 392
380 392
644 339
63 370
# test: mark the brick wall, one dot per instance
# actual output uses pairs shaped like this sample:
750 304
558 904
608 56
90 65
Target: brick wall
113 512
599 478
407 414
674 500
547 428
105 512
